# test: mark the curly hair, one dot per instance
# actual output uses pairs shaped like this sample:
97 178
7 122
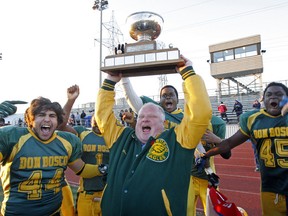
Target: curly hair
43 104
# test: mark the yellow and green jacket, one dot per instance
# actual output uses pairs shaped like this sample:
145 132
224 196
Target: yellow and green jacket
152 180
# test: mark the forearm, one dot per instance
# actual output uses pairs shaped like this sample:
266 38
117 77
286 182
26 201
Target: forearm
67 110
133 100
221 148
225 155
68 128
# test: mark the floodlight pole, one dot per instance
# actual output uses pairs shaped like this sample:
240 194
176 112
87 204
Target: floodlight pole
100 5
100 54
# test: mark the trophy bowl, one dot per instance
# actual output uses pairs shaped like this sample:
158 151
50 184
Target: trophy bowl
144 57
144 25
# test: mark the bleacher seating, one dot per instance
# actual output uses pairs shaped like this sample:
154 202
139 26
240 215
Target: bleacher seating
246 100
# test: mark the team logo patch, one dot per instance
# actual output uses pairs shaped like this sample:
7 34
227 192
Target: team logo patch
159 151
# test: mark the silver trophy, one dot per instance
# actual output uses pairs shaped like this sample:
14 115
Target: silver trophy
143 57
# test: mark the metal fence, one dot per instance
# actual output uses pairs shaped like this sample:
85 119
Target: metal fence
231 129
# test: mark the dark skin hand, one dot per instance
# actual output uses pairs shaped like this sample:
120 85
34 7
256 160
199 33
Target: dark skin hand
210 137
226 145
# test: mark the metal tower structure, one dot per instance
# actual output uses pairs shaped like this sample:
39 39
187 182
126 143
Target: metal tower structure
162 81
113 33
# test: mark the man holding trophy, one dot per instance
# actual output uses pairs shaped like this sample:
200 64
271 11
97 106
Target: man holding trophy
149 167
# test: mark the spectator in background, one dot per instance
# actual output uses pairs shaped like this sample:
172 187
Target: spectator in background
20 121
72 119
256 104
88 120
82 116
121 117
223 109
78 119
238 108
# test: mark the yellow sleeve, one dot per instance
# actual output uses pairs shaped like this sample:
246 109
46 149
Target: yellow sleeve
108 124
197 112
89 171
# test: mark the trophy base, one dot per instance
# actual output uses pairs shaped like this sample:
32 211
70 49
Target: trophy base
143 63
145 69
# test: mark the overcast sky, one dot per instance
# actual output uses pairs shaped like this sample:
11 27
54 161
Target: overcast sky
48 46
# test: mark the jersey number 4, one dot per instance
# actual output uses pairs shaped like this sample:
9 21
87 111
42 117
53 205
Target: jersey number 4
280 149
33 186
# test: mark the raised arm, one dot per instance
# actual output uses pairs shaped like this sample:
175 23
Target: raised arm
72 94
133 100
104 115
197 111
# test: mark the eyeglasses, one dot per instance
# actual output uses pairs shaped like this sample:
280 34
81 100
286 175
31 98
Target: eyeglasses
168 96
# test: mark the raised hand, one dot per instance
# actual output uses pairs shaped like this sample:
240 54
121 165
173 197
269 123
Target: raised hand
284 105
8 107
73 92
187 63
128 118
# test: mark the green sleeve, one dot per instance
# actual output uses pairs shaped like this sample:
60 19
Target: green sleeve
219 126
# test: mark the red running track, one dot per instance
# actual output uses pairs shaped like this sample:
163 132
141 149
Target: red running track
238 180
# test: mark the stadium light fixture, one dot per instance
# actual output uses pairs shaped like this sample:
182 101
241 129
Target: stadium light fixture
100 5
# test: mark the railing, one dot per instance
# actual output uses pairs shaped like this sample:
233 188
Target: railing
231 129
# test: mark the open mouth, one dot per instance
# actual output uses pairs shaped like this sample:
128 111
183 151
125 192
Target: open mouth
45 129
274 104
146 129
169 104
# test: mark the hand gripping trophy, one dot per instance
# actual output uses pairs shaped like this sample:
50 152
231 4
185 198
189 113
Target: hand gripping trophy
143 57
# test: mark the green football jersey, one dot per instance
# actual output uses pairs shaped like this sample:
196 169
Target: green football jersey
271 137
32 171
